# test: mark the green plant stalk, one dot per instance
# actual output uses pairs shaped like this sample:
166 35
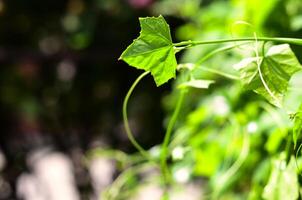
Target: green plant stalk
214 71
142 151
213 53
219 50
164 149
295 41
186 44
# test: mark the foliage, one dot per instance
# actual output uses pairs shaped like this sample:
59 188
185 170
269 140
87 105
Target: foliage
235 140
153 50
283 181
269 74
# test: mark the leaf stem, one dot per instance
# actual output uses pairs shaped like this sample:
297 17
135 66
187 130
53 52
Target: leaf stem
219 50
295 41
164 149
142 151
213 53
214 71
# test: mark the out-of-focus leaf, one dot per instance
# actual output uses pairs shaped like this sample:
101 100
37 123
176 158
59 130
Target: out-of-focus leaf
153 50
201 84
283 181
292 98
275 139
181 8
296 22
207 160
255 14
276 67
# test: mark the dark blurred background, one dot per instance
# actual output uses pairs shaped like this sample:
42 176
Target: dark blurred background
62 86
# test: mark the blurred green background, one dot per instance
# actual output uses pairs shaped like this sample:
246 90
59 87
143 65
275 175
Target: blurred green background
62 88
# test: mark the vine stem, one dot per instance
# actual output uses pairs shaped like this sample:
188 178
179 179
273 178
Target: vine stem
220 50
295 41
164 149
142 151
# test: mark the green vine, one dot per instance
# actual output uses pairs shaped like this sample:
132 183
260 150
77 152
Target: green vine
143 152
267 73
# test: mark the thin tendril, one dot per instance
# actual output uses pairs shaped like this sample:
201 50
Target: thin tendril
259 63
142 151
237 23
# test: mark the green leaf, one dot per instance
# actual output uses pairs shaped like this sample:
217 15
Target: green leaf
153 50
276 67
283 181
297 129
201 84
292 99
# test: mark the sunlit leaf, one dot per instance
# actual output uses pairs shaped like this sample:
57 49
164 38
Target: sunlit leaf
283 181
276 67
293 96
201 84
153 50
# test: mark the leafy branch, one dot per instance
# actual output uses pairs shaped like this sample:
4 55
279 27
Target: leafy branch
267 74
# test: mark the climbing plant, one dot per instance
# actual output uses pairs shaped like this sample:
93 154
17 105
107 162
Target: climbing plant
267 69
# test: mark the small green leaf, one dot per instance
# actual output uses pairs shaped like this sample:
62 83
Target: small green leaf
201 84
153 50
297 129
283 181
276 67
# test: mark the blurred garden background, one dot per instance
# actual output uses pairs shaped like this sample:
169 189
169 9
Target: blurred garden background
62 89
